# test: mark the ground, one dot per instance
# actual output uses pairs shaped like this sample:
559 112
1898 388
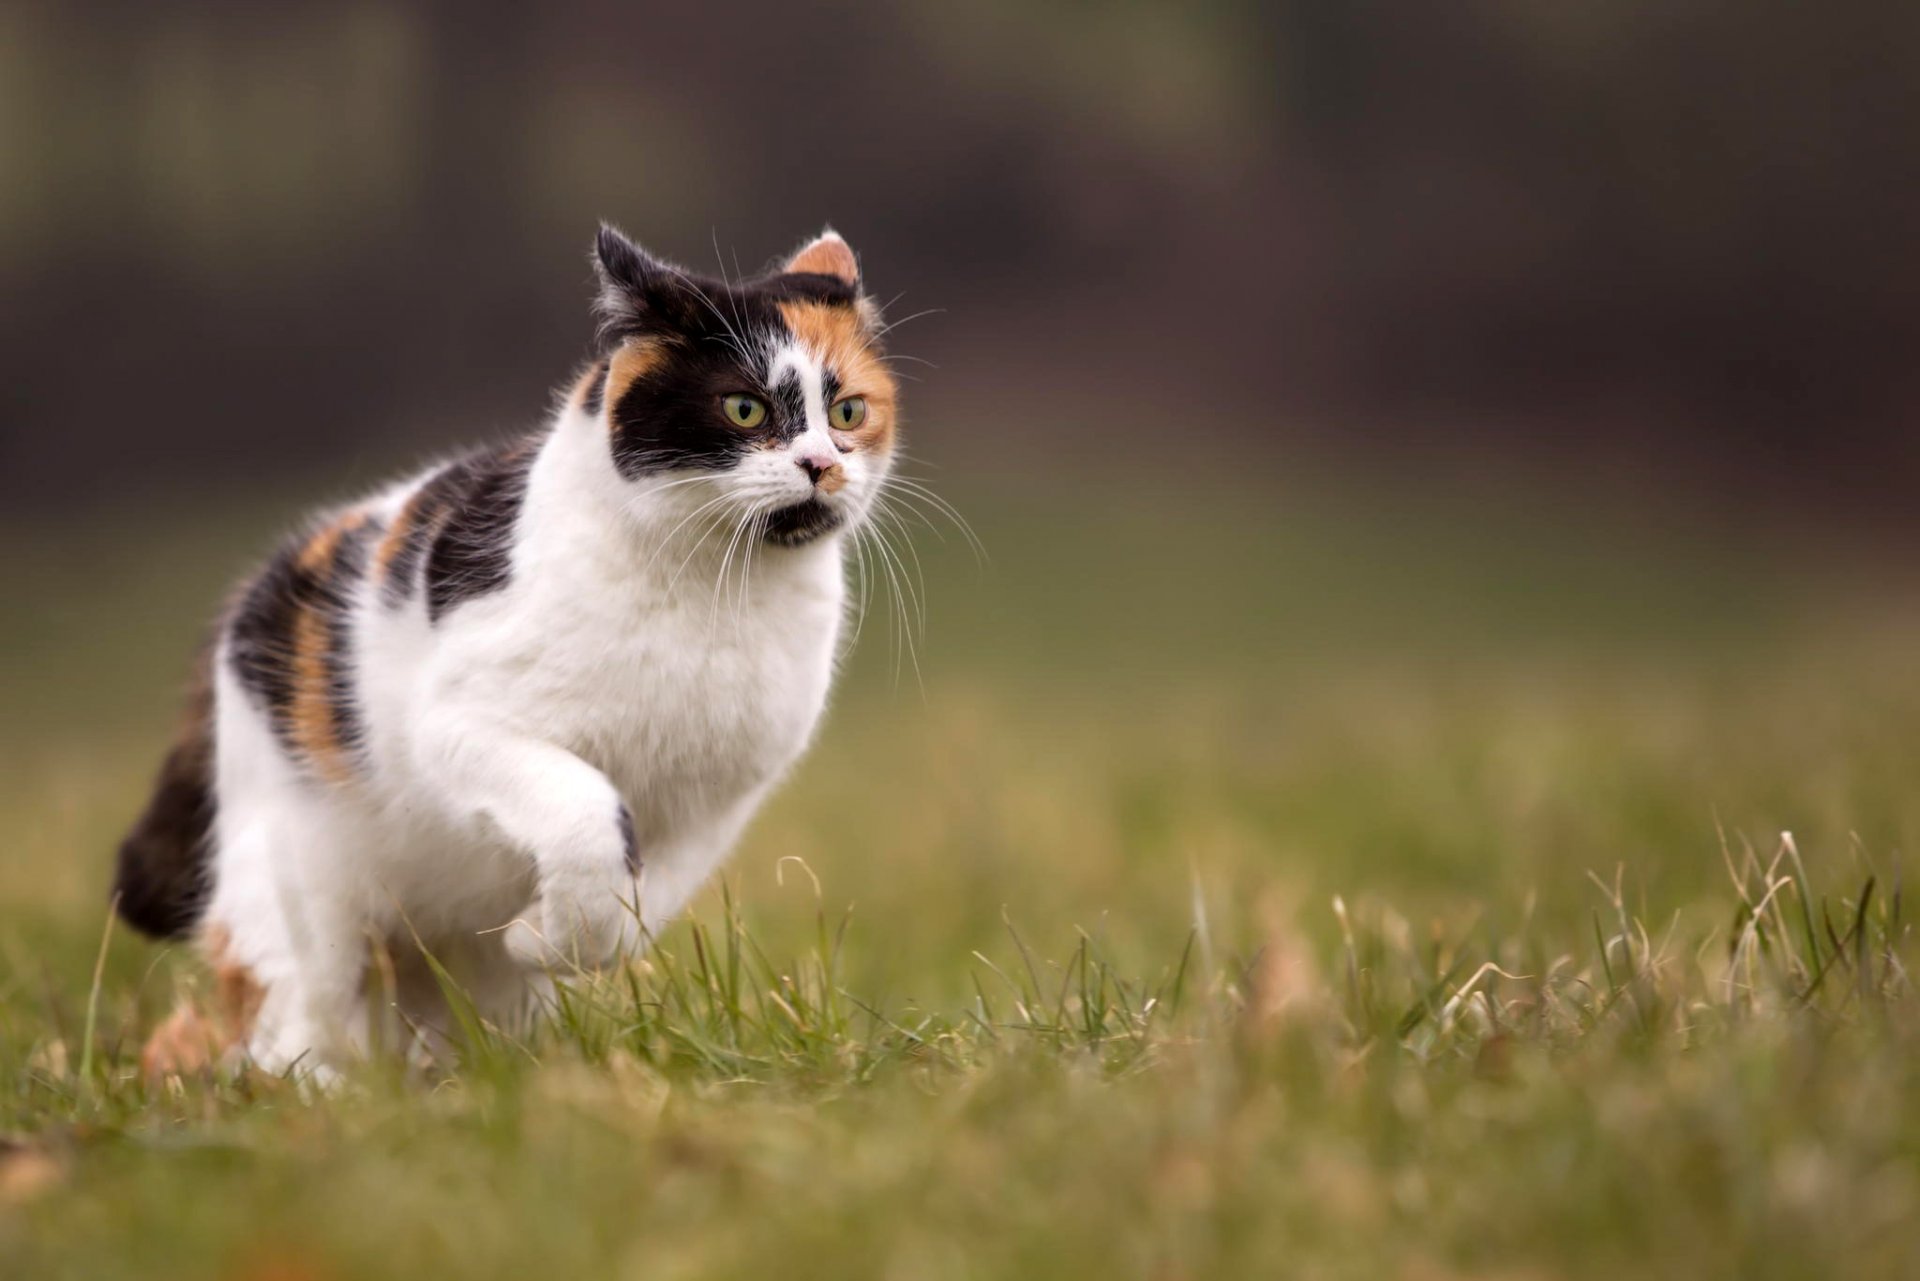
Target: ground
1238 880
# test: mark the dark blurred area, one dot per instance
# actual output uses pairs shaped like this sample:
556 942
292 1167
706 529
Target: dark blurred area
1660 245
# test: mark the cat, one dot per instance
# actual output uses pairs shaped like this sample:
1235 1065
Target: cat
519 707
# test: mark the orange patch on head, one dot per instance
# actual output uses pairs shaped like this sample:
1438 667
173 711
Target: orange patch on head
838 340
636 358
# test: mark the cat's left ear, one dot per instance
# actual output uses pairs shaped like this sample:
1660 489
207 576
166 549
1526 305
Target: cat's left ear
827 255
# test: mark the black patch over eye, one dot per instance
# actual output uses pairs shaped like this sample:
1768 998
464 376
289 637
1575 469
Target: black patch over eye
690 410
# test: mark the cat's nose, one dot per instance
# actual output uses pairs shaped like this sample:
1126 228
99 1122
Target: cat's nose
823 472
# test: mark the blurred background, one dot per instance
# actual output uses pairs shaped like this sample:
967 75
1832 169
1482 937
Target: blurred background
1661 244
1413 442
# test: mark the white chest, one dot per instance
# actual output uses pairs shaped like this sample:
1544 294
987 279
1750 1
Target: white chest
687 700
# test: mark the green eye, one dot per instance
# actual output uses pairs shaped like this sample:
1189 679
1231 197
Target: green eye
745 411
848 414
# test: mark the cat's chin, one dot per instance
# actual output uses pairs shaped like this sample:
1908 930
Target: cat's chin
802 523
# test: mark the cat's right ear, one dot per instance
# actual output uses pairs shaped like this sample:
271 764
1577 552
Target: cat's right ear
633 283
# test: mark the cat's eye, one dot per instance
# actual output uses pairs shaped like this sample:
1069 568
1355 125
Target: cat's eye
744 411
848 414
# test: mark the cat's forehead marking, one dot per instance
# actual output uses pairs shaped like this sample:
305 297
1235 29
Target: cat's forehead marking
795 376
831 333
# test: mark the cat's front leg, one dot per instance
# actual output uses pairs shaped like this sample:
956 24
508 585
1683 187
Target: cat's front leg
566 814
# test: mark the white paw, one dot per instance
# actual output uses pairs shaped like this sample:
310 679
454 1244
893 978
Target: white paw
296 1056
578 926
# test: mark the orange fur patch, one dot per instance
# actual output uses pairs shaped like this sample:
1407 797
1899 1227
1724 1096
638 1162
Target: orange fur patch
317 555
635 360
585 383
311 716
192 1040
185 1045
838 340
400 531
396 536
312 712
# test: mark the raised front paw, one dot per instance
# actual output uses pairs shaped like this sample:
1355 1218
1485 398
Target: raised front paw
578 927
587 914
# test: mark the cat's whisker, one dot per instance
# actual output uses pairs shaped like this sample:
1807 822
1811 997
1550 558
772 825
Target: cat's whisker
734 338
909 490
904 635
861 599
716 523
750 530
726 565
666 542
884 511
892 325
909 504
754 538
733 303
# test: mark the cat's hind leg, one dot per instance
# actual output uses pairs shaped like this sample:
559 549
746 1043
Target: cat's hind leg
288 918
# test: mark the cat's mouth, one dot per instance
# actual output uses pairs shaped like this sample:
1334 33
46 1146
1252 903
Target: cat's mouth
801 523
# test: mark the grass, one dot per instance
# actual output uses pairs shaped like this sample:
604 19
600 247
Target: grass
1244 889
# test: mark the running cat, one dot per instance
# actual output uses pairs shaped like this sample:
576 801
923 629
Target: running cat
521 705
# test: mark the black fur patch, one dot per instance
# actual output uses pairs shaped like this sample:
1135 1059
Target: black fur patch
421 520
160 880
472 554
670 419
801 523
629 846
261 635
343 700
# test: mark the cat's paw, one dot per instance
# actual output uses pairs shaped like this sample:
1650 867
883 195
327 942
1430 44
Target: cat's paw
589 925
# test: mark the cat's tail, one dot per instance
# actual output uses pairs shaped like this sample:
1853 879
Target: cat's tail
161 881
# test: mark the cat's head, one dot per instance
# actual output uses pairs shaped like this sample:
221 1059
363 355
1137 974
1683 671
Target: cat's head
774 390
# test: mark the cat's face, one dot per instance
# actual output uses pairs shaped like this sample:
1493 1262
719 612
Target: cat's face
771 398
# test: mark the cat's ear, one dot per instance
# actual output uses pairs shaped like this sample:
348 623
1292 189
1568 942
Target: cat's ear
633 283
827 255
623 264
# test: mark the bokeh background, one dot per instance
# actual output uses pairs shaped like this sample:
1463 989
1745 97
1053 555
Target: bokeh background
1666 243
1420 448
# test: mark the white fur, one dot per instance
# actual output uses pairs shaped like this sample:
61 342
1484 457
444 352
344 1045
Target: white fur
646 649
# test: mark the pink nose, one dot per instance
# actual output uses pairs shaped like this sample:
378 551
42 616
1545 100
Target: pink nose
818 467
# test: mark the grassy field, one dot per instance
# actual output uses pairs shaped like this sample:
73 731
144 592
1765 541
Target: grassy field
1253 882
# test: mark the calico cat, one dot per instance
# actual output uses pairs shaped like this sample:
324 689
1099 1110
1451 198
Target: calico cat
519 707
